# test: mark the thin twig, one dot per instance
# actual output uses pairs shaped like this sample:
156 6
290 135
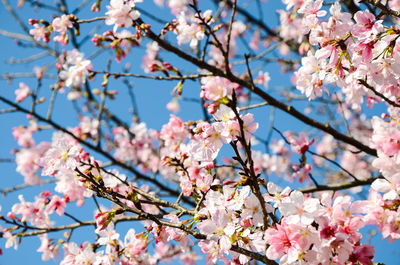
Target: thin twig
23 186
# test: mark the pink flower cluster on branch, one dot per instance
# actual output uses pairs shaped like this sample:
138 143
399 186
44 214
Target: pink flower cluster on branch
206 189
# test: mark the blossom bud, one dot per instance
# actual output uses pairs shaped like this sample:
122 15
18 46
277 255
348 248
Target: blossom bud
103 219
11 215
209 166
33 21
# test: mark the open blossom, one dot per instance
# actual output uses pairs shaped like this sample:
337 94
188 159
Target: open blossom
191 32
277 194
204 182
263 79
207 142
89 127
391 191
300 143
83 254
310 77
311 11
249 126
213 251
32 212
253 210
56 204
49 248
394 4
224 114
150 60
226 124
61 25
107 236
39 32
121 13
70 187
27 160
386 139
312 8
218 228
204 150
75 70
24 135
63 154
366 26
298 209
134 244
214 88
284 242
174 131
22 93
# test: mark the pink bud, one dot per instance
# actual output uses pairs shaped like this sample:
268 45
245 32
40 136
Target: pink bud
33 21
11 215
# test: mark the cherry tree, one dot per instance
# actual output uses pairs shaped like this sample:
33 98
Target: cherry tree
282 144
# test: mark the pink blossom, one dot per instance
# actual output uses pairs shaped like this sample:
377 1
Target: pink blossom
218 228
39 32
49 249
76 69
362 254
64 154
310 77
263 78
121 13
394 4
173 106
298 209
300 143
107 236
103 219
214 88
57 204
366 27
61 24
134 244
22 93
188 32
284 242
204 182
249 126
33 212
312 8
174 131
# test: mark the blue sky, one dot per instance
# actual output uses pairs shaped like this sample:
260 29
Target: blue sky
151 96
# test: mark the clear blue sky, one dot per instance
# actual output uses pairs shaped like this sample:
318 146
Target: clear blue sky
151 97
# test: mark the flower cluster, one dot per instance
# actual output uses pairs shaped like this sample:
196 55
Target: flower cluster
205 184
121 13
75 69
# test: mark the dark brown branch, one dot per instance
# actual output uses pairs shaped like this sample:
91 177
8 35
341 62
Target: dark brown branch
341 186
390 102
96 149
268 98
385 10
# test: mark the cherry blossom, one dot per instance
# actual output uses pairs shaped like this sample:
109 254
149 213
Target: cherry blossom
207 182
22 93
121 13
75 70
